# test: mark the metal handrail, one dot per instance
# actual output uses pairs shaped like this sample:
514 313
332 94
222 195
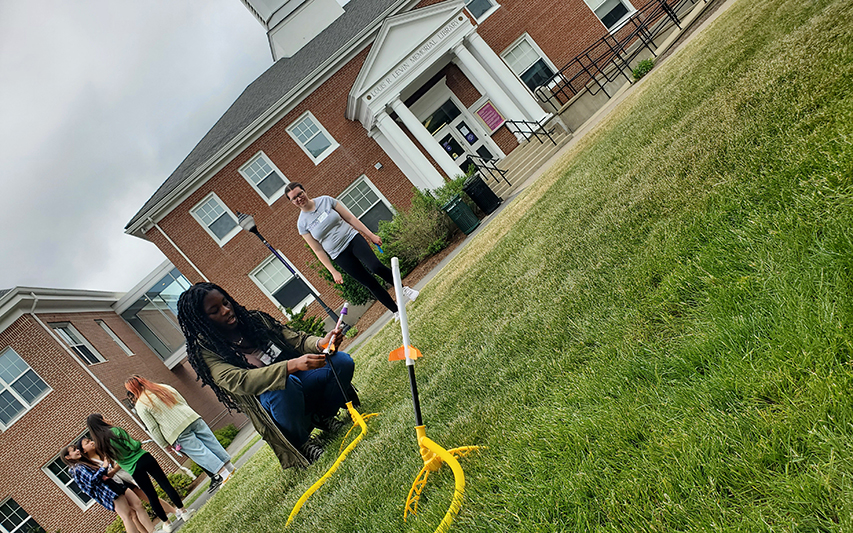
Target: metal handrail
489 166
533 129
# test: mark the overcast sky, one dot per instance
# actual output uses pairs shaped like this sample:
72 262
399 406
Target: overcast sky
100 100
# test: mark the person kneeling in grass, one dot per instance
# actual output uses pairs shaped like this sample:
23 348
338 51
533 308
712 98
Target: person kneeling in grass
276 375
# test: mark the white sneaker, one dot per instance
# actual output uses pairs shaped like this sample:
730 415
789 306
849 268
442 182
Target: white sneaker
397 316
411 293
186 514
167 527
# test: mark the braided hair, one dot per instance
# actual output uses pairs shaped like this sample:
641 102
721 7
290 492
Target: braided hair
201 333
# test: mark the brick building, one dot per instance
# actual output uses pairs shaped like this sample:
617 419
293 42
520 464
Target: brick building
65 354
366 100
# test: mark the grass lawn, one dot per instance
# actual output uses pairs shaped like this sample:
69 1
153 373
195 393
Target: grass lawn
655 336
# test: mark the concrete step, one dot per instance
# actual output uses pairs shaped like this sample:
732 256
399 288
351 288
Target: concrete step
526 159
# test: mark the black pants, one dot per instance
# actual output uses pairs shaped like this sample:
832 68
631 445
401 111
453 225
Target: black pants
148 465
359 261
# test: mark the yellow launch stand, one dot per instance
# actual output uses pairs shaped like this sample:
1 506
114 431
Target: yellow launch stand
432 454
358 421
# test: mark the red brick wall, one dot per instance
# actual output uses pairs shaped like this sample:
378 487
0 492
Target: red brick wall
34 440
119 366
561 29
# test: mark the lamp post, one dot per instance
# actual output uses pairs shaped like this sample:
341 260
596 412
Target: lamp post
247 222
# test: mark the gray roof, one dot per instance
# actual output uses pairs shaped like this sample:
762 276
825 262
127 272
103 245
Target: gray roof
270 87
3 292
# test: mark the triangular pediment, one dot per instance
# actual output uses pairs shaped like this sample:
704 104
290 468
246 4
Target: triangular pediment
399 36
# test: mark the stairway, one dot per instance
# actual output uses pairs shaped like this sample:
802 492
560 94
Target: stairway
526 159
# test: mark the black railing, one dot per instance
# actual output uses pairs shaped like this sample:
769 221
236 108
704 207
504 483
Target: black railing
490 167
610 56
530 129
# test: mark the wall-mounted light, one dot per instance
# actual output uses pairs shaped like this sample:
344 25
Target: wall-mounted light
377 166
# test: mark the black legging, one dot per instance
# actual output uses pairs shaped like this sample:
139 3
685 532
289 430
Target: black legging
359 261
148 465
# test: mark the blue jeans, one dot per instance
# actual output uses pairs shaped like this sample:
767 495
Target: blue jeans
307 393
200 445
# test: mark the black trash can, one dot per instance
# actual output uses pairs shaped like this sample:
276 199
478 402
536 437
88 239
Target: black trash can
461 214
481 194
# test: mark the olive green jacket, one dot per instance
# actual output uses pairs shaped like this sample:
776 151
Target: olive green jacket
245 384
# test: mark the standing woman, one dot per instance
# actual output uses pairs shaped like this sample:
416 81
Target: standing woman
277 376
170 420
128 453
95 482
330 230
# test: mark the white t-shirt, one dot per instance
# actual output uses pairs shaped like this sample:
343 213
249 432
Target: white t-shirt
326 226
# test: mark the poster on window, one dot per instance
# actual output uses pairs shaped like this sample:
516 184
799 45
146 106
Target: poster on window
490 116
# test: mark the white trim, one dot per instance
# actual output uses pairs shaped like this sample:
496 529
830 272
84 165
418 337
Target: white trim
113 336
373 188
333 143
68 492
82 341
27 405
621 22
487 14
18 527
279 193
234 231
526 37
263 264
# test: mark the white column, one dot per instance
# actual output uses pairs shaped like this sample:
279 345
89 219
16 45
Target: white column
486 83
450 168
513 86
406 155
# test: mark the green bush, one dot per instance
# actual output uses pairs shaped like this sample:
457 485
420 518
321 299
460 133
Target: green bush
350 290
643 68
312 325
226 435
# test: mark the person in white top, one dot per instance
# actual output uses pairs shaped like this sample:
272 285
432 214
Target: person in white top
333 233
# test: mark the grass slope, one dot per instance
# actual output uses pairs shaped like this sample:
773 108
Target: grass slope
656 336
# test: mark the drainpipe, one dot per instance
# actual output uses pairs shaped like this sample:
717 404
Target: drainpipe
53 335
187 259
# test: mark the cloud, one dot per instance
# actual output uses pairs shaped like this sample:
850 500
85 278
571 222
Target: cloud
100 102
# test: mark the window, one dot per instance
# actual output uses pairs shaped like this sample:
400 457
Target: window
216 218
312 137
78 343
154 316
57 471
529 63
20 387
264 177
365 201
13 519
481 9
114 337
280 285
611 12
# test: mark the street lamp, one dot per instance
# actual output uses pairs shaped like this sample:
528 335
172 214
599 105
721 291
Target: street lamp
247 222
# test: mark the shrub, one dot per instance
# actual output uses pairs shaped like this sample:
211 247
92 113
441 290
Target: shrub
643 68
351 332
311 325
350 290
226 435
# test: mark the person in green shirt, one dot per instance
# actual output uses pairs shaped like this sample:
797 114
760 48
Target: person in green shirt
115 443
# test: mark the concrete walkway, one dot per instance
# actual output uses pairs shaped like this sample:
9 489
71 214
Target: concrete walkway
247 433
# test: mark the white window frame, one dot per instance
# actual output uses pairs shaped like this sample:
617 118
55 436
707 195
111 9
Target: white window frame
526 37
114 337
301 305
622 21
370 184
246 174
333 146
485 15
19 526
230 235
68 492
82 341
8 387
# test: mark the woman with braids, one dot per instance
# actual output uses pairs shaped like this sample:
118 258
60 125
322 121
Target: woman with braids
117 445
276 375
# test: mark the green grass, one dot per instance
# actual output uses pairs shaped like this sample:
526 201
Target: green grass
655 336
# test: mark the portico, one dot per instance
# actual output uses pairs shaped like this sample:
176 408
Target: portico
402 77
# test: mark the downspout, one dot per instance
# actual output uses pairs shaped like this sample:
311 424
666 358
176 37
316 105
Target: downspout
187 259
94 377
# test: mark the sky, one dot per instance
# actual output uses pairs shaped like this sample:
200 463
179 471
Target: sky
100 101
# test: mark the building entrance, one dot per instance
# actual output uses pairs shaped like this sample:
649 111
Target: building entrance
451 128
